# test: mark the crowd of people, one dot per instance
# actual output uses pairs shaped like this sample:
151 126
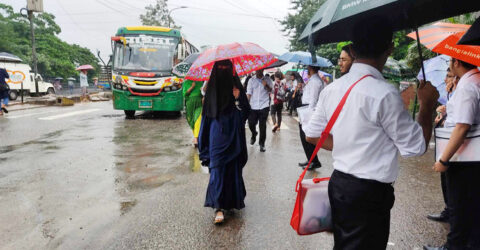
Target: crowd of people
372 130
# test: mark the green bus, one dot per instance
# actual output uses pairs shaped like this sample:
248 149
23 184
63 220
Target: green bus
142 79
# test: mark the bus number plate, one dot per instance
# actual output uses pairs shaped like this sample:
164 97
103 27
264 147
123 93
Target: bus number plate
145 104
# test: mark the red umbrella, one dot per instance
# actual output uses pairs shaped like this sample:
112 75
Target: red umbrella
246 58
466 53
85 67
432 35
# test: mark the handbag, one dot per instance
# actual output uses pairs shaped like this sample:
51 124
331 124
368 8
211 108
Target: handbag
312 212
469 151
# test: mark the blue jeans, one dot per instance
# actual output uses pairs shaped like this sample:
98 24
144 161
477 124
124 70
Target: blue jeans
4 97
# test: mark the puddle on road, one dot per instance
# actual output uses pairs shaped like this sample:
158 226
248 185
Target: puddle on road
45 140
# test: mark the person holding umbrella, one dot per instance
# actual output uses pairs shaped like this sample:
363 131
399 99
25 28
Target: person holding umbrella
222 143
372 129
83 83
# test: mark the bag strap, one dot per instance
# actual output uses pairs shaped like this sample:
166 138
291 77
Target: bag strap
326 131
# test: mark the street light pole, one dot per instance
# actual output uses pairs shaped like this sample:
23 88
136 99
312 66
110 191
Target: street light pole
170 12
34 52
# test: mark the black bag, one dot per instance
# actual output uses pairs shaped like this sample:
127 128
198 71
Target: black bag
4 87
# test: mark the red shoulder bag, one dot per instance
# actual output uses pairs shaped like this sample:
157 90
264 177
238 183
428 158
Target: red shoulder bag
312 212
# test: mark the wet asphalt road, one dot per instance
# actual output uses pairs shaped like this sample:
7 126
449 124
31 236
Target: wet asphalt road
84 177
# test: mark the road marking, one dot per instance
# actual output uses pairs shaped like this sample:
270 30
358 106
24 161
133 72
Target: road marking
74 113
29 114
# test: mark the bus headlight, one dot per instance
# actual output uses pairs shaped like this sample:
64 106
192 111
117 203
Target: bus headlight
125 87
166 89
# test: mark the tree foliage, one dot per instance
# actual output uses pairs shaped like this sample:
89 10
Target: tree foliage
55 58
158 15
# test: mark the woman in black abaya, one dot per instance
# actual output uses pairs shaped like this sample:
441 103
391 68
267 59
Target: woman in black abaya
222 143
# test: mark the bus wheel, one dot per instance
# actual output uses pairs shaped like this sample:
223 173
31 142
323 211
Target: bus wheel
13 95
129 114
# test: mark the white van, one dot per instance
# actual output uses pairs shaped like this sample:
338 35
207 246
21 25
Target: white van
20 72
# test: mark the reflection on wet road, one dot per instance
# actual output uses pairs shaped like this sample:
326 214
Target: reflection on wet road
94 180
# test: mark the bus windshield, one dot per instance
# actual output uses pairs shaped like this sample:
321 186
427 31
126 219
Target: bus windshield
143 53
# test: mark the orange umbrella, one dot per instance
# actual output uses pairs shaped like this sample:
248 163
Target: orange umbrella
433 34
466 53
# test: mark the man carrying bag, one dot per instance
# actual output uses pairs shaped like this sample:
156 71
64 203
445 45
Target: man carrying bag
371 130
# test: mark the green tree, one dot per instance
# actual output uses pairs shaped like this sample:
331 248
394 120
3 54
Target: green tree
56 58
158 15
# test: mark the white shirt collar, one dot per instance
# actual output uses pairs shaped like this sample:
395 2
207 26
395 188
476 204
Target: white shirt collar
366 69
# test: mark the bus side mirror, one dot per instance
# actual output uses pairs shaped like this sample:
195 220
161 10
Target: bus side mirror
181 52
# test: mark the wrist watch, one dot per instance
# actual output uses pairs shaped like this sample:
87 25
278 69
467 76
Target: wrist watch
446 164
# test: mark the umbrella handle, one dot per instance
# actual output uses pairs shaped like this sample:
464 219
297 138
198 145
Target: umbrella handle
311 49
423 72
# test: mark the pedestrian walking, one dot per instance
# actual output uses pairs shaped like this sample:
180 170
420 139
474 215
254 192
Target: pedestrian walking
193 106
70 85
4 89
258 90
83 83
278 96
372 129
311 92
346 59
297 93
463 188
222 143
451 83
291 85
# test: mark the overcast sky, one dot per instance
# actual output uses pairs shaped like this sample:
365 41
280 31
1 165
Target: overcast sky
91 23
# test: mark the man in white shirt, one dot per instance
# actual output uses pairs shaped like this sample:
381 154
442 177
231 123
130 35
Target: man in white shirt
371 131
462 178
258 93
311 91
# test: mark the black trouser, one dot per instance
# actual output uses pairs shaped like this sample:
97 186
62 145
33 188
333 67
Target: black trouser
259 116
308 148
276 113
443 181
463 191
296 102
360 211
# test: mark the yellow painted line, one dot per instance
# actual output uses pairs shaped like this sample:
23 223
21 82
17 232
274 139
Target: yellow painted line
148 28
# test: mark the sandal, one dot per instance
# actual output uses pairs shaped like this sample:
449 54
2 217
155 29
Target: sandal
219 217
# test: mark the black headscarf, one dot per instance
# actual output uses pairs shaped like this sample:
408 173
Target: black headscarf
219 95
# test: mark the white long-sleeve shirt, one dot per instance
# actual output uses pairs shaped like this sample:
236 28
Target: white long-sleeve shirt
311 91
260 97
372 129
464 106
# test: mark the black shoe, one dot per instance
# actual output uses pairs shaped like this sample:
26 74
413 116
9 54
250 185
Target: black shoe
435 248
442 217
303 164
313 166
262 148
5 110
253 139
316 165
